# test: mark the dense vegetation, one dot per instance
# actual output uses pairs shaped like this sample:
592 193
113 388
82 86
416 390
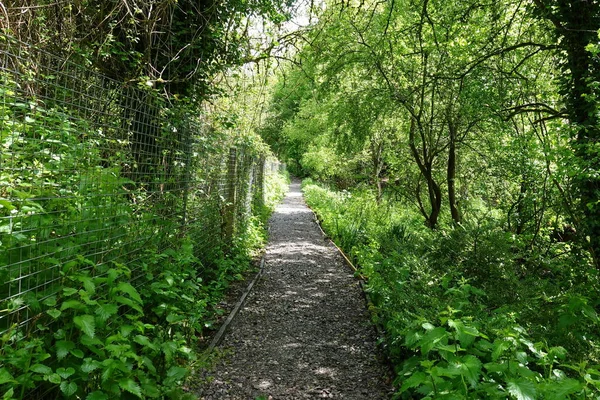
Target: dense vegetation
128 202
107 289
456 148
453 154
100 336
463 317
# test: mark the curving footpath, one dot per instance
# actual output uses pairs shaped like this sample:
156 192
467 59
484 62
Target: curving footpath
304 332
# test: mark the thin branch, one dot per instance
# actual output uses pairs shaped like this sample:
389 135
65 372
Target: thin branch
531 107
7 17
387 23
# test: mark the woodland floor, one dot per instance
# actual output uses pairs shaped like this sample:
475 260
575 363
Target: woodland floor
304 331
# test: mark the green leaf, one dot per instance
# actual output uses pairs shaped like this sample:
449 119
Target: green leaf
175 374
148 364
85 296
63 347
41 369
126 330
496 367
128 302
108 371
111 275
525 372
126 287
77 353
521 356
447 347
466 334
7 204
173 318
88 283
105 311
150 389
452 370
65 372
6 376
144 341
89 365
431 338
561 390
131 386
74 304
90 341
412 338
500 346
9 394
521 389
86 323
54 313
427 326
413 381
557 352
50 301
588 378
68 291
169 348
54 378
471 368
68 388
97 395
589 312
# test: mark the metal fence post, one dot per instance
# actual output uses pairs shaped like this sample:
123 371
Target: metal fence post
187 176
231 201
259 196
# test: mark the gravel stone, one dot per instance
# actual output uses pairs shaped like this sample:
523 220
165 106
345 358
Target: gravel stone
304 331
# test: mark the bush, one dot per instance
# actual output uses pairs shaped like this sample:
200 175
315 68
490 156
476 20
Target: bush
469 311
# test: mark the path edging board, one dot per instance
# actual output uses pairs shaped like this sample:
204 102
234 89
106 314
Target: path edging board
219 336
379 330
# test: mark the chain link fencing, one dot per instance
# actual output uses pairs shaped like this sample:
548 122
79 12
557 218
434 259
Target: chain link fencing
95 171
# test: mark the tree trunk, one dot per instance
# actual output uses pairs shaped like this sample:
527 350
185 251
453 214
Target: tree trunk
577 22
451 175
584 113
433 189
435 199
376 153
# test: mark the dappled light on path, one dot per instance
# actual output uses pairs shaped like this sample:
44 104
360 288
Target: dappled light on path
304 331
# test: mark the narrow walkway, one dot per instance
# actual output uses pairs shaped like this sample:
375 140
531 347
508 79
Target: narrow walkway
304 331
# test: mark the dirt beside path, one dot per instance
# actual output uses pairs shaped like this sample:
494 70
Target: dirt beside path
304 331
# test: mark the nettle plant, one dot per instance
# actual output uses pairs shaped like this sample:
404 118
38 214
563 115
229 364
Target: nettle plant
102 338
462 357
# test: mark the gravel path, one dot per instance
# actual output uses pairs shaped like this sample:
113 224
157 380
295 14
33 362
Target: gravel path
304 331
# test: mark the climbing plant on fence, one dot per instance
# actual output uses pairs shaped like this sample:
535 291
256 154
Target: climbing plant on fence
119 220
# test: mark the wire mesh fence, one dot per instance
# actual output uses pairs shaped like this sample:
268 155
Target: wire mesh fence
94 171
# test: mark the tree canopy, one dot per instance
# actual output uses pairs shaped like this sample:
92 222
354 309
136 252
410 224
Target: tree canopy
448 103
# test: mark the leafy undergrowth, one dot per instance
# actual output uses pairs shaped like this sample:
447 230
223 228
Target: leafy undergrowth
124 332
468 312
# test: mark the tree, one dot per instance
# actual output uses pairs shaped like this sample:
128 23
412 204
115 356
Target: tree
576 27
434 62
174 45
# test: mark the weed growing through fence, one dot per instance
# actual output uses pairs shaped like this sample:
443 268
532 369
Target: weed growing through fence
100 337
113 252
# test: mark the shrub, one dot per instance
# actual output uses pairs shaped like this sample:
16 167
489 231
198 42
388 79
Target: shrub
469 311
